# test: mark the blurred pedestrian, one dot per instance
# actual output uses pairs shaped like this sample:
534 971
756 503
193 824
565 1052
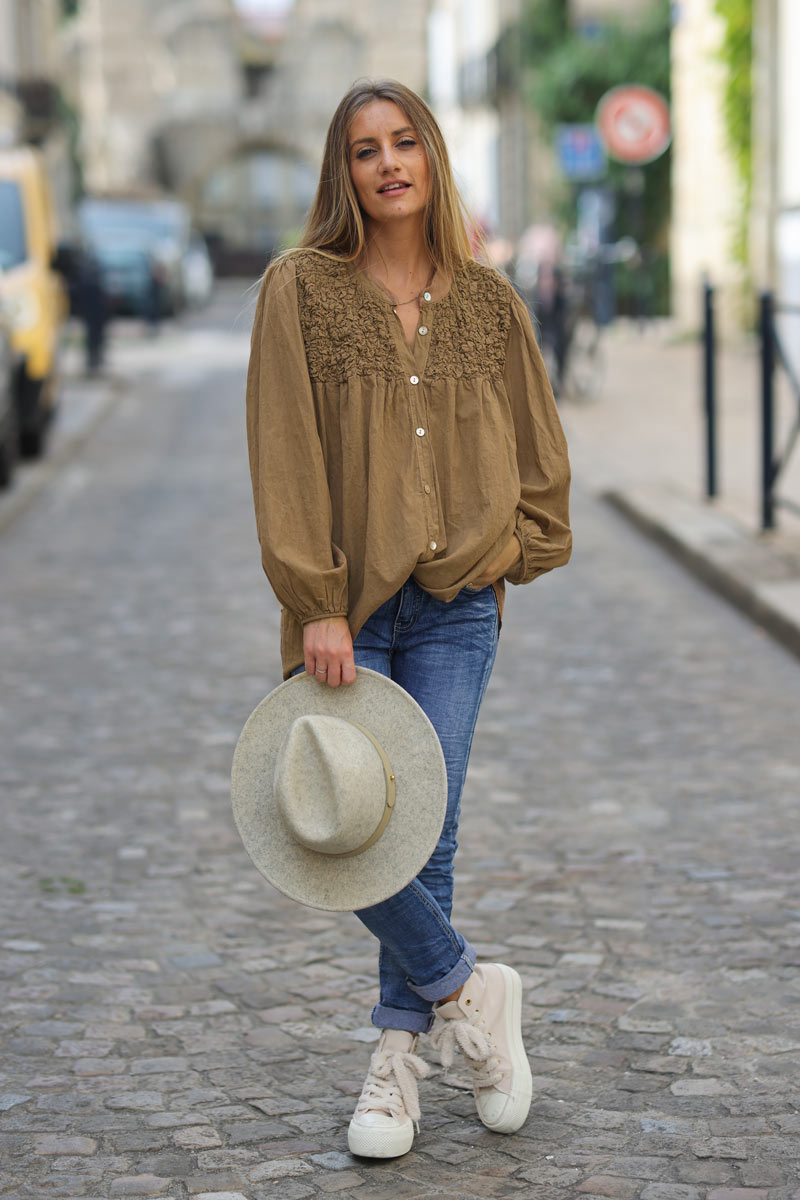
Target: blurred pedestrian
155 298
406 458
92 307
83 277
541 281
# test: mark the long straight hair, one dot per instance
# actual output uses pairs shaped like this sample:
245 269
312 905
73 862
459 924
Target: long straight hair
335 224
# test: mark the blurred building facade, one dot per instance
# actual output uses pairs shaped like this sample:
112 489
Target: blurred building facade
30 69
224 109
326 45
475 88
706 192
157 87
708 195
775 216
28 58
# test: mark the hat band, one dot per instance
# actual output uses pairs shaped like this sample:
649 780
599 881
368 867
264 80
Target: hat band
388 806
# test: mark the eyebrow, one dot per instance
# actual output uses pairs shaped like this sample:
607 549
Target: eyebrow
395 133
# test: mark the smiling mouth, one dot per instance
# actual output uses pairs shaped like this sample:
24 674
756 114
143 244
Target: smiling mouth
393 187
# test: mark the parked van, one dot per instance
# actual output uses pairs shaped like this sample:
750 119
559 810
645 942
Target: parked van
31 291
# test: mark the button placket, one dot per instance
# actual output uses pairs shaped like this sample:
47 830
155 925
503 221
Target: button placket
422 342
428 498
417 357
426 469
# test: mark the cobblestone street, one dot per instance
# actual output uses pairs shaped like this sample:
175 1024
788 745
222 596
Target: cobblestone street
174 1027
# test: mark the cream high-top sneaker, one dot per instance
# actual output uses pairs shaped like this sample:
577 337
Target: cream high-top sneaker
485 1023
388 1108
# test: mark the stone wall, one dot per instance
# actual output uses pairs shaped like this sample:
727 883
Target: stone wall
137 69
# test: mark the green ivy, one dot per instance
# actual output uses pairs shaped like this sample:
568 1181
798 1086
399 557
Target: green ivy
737 55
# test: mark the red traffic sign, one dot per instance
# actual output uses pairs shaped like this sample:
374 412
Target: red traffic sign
633 124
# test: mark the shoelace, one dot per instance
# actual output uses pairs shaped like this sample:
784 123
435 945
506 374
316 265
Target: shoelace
392 1082
449 1033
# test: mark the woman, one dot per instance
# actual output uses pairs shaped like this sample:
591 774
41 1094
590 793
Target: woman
406 458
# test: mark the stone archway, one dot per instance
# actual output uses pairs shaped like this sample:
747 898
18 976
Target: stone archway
253 202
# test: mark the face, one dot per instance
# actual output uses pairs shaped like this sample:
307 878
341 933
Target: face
388 163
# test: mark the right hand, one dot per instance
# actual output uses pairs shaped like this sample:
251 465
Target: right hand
328 651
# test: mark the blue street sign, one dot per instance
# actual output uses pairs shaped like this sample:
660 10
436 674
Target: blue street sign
580 152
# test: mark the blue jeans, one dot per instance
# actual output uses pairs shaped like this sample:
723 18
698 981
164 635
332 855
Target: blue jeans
442 654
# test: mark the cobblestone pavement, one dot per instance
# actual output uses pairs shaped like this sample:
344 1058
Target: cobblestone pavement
173 1027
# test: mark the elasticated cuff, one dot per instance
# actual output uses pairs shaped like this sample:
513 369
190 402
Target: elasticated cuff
519 571
321 616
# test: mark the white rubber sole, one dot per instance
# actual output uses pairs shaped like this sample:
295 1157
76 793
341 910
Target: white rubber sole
517 1106
372 1141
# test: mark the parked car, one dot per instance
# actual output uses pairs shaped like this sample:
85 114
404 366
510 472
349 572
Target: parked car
31 291
118 226
9 434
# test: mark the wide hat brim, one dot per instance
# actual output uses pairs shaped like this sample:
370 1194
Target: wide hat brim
396 721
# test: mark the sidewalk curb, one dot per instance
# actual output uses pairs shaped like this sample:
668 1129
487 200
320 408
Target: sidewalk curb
36 476
720 554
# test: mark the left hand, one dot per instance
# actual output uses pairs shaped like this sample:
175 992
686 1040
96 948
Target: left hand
508 557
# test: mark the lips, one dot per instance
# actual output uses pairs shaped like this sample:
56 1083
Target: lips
395 186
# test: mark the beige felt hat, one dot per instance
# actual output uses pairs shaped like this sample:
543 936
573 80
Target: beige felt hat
339 794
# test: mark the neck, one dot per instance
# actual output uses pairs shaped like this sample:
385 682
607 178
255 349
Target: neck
397 251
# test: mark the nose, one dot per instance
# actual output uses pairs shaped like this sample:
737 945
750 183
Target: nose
388 157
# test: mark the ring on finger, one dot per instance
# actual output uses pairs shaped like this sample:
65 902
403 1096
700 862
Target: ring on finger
321 671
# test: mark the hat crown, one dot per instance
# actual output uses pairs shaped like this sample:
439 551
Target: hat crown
330 784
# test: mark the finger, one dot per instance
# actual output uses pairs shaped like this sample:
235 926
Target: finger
334 674
309 656
349 671
320 671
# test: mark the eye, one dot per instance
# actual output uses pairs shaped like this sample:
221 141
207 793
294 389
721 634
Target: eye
407 142
364 151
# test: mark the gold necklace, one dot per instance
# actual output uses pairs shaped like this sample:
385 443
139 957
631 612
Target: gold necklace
401 303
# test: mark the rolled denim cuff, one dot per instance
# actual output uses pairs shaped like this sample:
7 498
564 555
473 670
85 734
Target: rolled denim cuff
454 978
402 1018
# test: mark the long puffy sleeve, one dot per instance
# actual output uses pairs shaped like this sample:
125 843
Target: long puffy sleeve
542 519
308 573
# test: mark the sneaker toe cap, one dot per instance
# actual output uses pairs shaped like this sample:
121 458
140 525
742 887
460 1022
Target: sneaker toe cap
379 1135
376 1120
492 1106
501 1112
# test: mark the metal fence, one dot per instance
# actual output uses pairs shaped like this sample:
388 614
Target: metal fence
773 359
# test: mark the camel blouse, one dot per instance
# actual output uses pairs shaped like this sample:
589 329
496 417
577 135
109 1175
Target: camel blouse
373 460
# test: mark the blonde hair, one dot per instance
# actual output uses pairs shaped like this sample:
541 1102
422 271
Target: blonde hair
335 224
